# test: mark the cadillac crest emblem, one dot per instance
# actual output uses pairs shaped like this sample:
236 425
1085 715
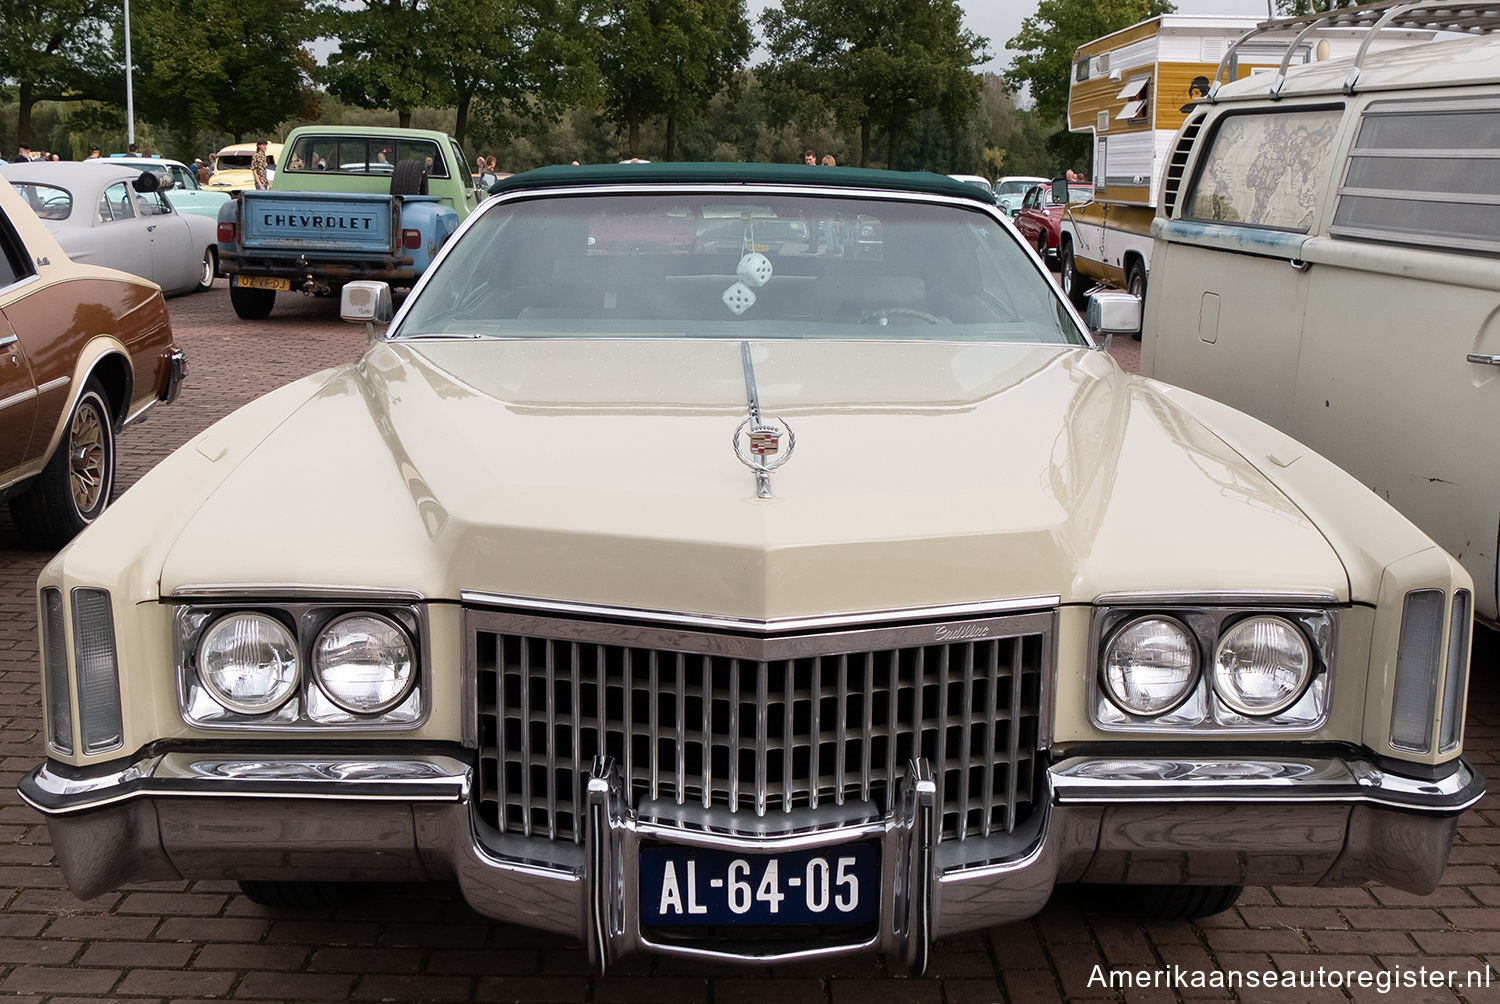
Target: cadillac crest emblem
758 445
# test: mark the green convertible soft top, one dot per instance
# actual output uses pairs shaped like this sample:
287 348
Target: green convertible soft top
720 173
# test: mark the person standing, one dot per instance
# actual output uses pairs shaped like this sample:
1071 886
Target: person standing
258 166
93 153
809 158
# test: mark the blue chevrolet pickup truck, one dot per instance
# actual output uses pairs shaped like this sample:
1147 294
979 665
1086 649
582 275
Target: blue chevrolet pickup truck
347 203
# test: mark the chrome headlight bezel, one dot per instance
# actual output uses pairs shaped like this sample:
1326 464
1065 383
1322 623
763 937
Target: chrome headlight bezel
308 708
1204 709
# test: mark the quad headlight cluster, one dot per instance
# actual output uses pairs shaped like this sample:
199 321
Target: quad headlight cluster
300 664
1206 667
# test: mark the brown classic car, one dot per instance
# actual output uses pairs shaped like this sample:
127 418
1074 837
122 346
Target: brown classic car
84 350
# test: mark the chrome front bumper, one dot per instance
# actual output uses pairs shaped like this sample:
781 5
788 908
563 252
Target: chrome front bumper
1201 821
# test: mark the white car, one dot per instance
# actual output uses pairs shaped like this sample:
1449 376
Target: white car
119 217
1010 190
820 585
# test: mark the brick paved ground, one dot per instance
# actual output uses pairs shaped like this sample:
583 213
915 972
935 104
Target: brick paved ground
202 940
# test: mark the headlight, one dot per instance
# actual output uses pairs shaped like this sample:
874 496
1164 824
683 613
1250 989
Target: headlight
1261 665
364 663
248 663
1150 665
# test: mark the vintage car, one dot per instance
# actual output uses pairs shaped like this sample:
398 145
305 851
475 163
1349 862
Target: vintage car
749 605
179 183
1040 217
232 167
1011 189
83 351
118 217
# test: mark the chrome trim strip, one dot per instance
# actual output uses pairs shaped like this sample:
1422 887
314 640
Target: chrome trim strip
1246 597
186 775
15 399
139 412
1092 781
52 385
267 590
8 340
775 624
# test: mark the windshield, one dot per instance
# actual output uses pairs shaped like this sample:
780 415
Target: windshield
766 266
1017 187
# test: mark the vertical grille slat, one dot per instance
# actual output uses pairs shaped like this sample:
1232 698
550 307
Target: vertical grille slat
705 729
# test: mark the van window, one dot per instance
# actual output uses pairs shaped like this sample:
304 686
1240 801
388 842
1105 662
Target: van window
1264 169
1425 174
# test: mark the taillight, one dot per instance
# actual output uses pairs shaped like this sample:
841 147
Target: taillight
410 239
226 233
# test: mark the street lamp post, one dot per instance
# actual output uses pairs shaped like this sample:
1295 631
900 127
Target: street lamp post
129 87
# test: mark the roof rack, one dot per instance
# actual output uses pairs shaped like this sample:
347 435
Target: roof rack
1425 15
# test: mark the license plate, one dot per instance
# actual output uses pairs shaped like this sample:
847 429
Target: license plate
696 885
262 282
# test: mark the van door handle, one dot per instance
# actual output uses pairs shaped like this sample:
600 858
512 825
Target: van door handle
1486 359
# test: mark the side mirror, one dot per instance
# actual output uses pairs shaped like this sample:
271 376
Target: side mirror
367 303
1060 191
1112 312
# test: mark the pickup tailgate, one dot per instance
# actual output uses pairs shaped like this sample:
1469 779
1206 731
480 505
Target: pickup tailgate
310 223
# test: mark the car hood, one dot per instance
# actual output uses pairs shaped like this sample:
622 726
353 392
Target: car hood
604 471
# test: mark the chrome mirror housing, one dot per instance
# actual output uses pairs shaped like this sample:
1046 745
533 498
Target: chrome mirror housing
367 303
1112 312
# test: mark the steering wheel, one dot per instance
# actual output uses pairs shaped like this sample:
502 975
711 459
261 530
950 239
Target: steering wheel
884 314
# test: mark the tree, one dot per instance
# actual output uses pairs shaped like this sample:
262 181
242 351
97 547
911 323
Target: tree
56 50
236 66
666 58
1290 7
873 63
1048 39
389 56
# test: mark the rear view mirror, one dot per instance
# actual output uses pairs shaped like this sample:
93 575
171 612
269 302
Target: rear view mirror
367 303
1112 312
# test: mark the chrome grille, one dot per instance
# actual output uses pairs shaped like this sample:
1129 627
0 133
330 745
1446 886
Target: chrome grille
756 724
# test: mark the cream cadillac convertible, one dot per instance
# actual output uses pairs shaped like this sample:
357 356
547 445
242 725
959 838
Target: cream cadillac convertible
827 589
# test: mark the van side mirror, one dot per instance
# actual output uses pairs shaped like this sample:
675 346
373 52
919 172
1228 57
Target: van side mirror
367 303
1060 191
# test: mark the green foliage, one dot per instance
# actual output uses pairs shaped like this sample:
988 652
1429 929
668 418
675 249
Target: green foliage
232 67
880 63
1048 39
1290 7
664 58
55 50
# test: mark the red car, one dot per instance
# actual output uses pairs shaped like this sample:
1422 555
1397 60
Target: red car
1040 218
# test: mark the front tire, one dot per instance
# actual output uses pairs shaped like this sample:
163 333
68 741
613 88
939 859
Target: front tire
298 895
1072 282
75 487
252 304
207 272
1169 902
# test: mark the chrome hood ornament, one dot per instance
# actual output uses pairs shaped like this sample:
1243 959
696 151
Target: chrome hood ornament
757 442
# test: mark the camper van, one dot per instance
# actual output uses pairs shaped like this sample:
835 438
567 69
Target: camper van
1132 90
1328 264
